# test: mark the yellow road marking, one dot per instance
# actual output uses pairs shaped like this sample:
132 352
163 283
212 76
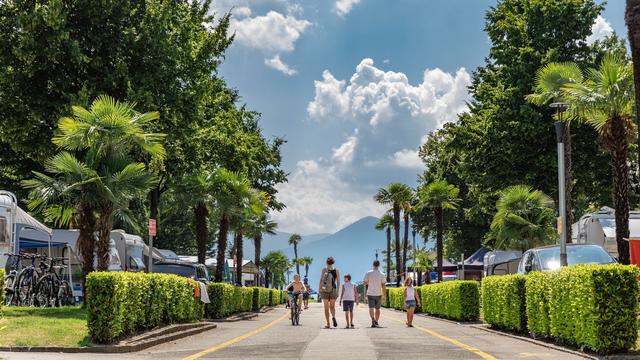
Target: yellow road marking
235 340
470 348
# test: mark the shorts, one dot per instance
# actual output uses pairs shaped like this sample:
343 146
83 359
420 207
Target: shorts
329 295
374 301
410 304
305 296
293 295
347 305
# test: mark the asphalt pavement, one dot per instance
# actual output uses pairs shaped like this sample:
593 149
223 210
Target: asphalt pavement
271 336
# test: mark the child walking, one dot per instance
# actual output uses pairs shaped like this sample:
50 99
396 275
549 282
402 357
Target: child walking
410 300
348 298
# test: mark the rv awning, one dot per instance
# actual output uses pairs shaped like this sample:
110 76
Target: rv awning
36 244
28 221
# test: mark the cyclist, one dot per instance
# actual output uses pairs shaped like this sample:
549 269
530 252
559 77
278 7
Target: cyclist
295 289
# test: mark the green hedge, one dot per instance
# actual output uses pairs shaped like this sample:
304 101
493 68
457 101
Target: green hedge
537 288
459 300
223 302
503 301
122 303
595 307
396 298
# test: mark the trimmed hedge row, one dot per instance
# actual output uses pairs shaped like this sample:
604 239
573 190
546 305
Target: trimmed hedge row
395 298
459 300
537 288
593 306
260 297
122 303
503 301
227 299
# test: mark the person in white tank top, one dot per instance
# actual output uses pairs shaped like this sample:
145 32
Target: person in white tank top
348 297
411 299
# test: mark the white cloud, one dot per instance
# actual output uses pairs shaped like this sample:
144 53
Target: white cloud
391 117
319 200
343 7
344 153
600 30
272 33
406 158
277 64
242 11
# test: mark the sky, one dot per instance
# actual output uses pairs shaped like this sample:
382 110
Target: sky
354 86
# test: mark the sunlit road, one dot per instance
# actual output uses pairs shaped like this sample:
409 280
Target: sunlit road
271 336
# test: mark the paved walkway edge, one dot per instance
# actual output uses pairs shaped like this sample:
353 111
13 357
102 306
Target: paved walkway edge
537 342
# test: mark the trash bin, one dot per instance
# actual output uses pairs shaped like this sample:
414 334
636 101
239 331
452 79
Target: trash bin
634 250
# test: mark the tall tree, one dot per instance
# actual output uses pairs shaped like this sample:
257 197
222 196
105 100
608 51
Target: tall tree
632 18
260 225
407 209
386 223
307 261
524 219
604 98
275 263
294 240
395 195
438 197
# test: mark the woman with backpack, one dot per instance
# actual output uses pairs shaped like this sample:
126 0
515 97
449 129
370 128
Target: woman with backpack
329 285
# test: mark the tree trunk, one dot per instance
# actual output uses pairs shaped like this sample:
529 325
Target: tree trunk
266 278
104 236
632 18
396 228
257 244
222 247
618 144
388 253
239 254
405 245
86 242
295 253
419 276
306 271
439 241
568 187
201 213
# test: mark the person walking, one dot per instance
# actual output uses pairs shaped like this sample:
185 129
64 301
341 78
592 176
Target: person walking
329 285
410 300
348 298
374 280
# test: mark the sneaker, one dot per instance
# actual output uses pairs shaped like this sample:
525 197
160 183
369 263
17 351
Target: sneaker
335 323
376 322
373 323
352 326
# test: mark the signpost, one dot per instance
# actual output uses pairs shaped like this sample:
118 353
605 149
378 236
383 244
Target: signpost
152 234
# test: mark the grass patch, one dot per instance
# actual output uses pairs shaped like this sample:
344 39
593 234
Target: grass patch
23 326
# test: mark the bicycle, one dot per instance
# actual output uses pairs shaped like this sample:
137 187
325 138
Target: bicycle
27 279
10 297
295 308
51 290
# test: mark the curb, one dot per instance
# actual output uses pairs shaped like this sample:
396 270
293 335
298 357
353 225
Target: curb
237 317
165 334
538 342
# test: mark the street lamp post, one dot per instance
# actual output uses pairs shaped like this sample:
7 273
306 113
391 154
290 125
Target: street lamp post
561 128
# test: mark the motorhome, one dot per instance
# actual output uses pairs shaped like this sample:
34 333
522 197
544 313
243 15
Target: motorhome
600 228
501 262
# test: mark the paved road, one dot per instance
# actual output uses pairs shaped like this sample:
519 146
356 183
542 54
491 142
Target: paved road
271 336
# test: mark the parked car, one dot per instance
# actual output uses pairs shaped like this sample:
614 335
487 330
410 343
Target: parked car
194 271
548 257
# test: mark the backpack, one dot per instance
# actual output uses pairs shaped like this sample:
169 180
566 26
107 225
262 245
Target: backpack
329 281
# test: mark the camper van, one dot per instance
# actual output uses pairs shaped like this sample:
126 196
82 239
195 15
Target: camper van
600 228
501 262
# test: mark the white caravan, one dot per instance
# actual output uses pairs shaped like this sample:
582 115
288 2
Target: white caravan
600 228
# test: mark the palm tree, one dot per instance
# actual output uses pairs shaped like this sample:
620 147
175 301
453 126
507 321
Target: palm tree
523 220
632 18
407 209
604 98
307 260
195 190
260 225
386 223
104 137
294 240
549 82
252 209
275 264
438 197
232 194
424 263
395 195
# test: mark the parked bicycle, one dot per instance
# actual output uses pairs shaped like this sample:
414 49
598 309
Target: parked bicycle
51 289
10 296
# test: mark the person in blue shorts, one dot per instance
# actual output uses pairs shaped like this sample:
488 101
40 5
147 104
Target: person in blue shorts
348 298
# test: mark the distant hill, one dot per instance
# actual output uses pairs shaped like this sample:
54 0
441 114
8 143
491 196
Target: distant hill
279 241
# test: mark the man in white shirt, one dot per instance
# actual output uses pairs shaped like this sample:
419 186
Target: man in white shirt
376 291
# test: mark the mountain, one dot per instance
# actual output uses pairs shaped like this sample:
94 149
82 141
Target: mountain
353 248
279 241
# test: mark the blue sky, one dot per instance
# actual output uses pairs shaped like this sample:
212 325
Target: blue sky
354 86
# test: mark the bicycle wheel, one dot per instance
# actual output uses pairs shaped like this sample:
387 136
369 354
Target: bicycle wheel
25 289
293 314
65 295
297 315
43 294
9 289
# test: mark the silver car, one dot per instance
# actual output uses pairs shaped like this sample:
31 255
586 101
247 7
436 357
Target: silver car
548 257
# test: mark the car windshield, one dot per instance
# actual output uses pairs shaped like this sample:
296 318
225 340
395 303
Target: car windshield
550 257
177 269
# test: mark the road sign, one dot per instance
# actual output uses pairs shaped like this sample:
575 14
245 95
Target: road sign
152 227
